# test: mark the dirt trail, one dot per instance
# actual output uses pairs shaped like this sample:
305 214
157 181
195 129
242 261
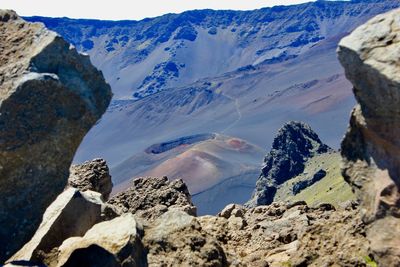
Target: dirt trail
237 106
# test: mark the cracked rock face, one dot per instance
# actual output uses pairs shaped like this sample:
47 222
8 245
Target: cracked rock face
50 96
371 148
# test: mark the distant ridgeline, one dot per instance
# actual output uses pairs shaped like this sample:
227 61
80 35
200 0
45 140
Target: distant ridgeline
175 49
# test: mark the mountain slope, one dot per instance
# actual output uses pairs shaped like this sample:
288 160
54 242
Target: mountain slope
178 49
237 73
248 104
330 189
204 161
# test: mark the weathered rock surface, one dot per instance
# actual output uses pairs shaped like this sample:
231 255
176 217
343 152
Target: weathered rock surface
91 175
71 214
149 198
50 96
112 243
294 143
177 239
371 147
274 235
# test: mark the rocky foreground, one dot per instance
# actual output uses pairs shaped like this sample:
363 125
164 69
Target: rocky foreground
154 222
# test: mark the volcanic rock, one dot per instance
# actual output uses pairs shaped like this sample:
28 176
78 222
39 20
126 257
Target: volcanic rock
50 96
148 198
92 175
288 235
371 147
294 143
177 239
232 210
113 243
71 214
297 187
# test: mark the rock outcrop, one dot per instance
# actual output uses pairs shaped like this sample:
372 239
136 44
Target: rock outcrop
371 147
294 143
301 185
71 214
113 243
91 175
177 239
50 96
148 198
275 235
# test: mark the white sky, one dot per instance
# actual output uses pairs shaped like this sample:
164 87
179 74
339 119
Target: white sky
129 9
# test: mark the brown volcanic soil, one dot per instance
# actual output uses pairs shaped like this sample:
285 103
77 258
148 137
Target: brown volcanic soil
201 165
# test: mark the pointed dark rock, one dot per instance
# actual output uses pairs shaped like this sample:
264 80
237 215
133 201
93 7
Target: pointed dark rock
294 143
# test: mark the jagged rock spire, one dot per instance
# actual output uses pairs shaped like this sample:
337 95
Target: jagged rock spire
294 143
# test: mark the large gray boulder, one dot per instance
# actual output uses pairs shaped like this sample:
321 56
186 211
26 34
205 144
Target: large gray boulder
50 96
371 147
114 243
73 213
